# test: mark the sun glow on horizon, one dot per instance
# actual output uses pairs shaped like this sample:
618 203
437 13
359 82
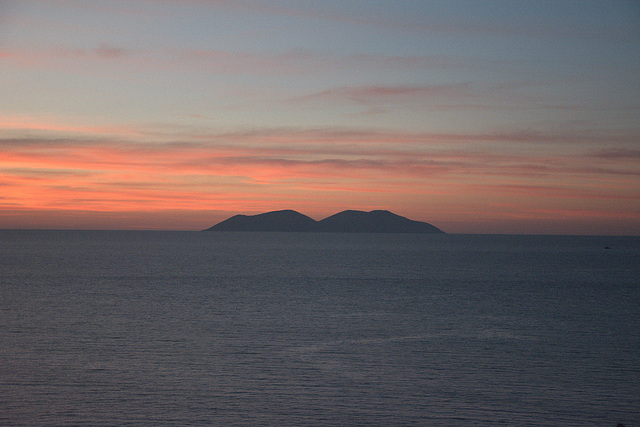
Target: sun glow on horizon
178 126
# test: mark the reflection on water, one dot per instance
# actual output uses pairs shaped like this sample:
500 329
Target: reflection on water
110 328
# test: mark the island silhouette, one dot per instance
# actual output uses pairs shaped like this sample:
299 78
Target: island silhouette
349 221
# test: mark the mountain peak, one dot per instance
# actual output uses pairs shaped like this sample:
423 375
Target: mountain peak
377 221
348 221
285 220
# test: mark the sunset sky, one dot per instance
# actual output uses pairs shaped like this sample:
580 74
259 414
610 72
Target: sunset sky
475 116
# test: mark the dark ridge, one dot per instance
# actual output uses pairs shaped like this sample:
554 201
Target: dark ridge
349 221
286 220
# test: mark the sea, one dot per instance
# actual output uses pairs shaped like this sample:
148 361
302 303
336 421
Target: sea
126 328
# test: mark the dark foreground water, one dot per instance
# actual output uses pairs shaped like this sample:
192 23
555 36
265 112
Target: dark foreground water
189 328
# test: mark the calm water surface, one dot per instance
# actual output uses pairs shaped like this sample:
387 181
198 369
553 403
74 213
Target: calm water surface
190 328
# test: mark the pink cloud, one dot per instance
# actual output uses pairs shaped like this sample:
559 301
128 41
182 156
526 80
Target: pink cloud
133 177
291 61
110 52
304 152
266 169
378 94
617 154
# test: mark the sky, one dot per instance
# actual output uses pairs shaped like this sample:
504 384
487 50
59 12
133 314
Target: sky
475 116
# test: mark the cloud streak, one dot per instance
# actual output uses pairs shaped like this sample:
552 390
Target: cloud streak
390 94
292 61
115 167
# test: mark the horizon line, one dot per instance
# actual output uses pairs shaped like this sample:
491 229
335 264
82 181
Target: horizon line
308 232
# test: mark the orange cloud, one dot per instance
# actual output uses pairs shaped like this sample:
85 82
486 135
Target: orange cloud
315 171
